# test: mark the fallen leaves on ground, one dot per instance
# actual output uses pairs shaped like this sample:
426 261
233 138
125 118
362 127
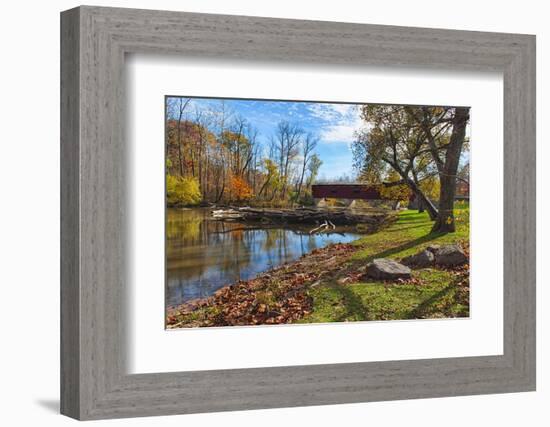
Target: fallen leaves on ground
280 295
275 297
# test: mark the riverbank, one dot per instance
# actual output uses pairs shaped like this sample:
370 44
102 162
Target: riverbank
329 284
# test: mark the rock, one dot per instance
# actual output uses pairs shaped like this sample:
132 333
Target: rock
422 259
450 255
433 248
387 269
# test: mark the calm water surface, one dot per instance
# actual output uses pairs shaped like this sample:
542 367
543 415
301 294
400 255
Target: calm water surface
203 255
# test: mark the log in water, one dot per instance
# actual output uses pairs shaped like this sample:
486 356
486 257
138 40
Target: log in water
303 216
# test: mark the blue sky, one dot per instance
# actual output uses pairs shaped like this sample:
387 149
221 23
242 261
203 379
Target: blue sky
334 124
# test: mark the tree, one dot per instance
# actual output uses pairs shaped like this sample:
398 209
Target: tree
176 107
431 187
308 145
182 190
398 193
445 221
225 154
236 143
249 150
313 168
221 115
240 190
202 122
272 177
285 148
418 143
393 140
445 150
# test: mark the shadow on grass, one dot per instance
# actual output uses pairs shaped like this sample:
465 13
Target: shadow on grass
413 219
353 305
421 308
424 307
397 229
409 245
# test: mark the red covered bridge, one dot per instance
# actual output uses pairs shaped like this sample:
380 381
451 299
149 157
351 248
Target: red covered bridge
348 192
345 191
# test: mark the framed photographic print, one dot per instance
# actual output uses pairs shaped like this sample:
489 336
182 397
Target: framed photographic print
303 212
283 212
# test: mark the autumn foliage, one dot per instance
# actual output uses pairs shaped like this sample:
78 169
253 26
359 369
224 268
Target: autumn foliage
183 191
239 189
231 162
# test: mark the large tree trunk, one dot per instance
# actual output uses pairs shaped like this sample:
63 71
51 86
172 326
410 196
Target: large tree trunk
445 222
423 201
419 194
421 207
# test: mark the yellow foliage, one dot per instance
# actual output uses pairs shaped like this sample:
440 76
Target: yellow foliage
182 190
396 192
430 187
400 192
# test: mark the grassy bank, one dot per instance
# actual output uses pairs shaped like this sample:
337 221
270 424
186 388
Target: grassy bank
432 292
328 284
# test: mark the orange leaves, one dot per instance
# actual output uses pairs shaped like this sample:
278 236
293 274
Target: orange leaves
277 296
239 189
243 305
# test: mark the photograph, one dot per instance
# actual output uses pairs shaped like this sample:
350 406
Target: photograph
285 212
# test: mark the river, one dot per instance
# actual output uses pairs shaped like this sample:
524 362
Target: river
202 255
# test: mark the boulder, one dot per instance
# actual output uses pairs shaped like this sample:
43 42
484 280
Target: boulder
450 255
387 269
433 248
422 259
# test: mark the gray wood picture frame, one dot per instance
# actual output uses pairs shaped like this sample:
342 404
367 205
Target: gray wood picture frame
94 41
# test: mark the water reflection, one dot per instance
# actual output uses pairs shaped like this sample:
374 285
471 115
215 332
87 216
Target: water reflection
203 255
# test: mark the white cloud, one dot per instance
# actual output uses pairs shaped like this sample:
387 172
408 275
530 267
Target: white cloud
340 121
339 133
344 109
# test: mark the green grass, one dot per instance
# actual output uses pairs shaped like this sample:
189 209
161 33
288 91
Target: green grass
433 293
